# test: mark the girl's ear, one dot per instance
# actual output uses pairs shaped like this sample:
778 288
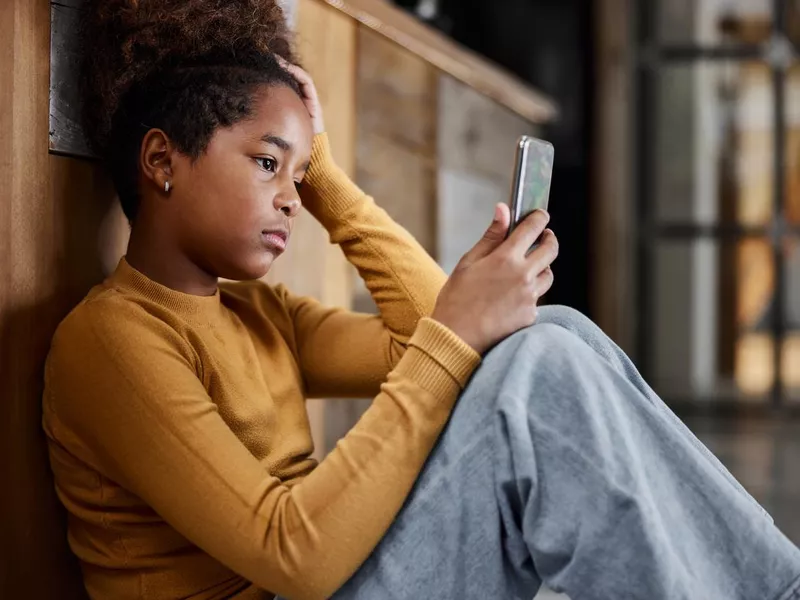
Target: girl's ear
155 159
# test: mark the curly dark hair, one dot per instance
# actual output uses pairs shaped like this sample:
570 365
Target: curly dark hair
187 67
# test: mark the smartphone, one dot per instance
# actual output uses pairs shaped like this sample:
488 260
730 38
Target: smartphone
533 173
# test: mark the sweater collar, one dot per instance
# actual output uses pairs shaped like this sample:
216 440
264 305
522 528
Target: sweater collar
204 308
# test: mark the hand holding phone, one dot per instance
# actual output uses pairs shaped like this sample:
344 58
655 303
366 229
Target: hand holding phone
495 288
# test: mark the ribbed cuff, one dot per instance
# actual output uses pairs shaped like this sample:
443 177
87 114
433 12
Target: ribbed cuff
446 348
438 360
330 191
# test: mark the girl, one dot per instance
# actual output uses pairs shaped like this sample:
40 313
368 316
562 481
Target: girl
174 404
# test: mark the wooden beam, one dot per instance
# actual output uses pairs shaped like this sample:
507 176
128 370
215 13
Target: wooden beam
35 560
450 57
613 267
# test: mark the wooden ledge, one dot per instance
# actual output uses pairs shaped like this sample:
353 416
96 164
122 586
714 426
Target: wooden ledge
450 57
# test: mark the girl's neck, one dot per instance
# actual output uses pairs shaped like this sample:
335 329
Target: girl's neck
165 264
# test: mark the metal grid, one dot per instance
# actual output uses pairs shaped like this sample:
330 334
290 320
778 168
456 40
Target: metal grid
778 53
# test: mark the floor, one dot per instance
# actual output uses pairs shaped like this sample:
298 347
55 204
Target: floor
764 455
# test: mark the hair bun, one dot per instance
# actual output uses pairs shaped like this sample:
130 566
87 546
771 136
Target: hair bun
124 41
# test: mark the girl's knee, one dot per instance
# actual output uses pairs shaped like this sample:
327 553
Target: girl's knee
566 317
545 343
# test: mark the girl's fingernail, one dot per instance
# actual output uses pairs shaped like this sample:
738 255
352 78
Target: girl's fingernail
498 213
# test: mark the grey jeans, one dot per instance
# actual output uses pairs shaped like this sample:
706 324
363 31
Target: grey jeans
560 465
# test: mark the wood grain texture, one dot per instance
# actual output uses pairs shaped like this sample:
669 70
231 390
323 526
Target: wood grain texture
51 210
478 136
477 139
396 133
450 57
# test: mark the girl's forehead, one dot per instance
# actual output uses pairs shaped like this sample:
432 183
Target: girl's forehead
277 117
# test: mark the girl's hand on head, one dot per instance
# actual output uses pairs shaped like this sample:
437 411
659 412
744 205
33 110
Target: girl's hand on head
309 92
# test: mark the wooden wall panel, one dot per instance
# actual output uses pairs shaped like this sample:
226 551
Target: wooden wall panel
52 213
450 57
396 93
396 133
477 140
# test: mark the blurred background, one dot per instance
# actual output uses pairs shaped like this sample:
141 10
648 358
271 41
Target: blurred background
676 198
675 195
714 200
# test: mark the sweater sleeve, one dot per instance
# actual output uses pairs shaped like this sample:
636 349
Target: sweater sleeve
340 352
125 394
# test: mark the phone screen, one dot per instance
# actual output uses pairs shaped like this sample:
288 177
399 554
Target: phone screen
534 172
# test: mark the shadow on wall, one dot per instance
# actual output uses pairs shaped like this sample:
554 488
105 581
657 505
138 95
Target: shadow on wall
74 234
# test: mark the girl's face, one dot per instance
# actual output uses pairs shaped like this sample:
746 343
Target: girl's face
231 211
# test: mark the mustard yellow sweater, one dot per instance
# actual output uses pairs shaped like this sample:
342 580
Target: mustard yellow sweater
178 431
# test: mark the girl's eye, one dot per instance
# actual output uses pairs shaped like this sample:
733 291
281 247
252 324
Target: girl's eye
268 164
